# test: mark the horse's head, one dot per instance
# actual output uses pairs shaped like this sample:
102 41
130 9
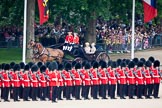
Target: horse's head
31 44
38 48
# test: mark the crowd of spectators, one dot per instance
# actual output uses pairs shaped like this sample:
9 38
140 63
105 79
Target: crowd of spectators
115 35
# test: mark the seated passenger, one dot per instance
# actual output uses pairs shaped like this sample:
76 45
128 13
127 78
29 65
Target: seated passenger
93 48
87 48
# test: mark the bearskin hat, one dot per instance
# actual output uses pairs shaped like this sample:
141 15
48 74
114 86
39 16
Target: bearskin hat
73 63
148 63
0 66
84 63
16 67
127 61
60 67
30 64
47 63
3 65
92 62
140 64
12 65
26 67
43 68
109 63
78 66
131 64
118 62
7 67
113 64
22 64
103 64
100 62
68 66
34 68
151 59
143 60
53 66
123 64
135 60
87 66
39 64
95 64
156 63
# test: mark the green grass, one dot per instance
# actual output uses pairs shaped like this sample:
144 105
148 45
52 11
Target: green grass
7 55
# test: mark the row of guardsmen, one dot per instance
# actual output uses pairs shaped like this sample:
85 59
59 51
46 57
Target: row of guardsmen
53 81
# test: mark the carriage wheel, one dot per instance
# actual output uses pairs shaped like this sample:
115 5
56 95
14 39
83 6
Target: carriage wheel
78 59
103 56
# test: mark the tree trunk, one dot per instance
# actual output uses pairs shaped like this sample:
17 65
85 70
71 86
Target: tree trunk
30 25
91 30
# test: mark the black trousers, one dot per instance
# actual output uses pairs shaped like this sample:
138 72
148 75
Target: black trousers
77 91
148 90
112 90
139 90
68 92
86 91
43 92
122 90
131 88
26 93
95 89
15 93
34 93
6 93
103 90
21 92
156 89
60 91
54 93
48 92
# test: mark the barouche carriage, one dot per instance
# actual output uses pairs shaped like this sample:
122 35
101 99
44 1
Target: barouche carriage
56 52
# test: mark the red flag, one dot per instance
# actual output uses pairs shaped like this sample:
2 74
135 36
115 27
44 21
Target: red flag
43 11
150 10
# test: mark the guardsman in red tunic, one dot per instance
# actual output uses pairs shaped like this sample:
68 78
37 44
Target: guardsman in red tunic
131 80
103 79
43 83
68 42
6 82
95 80
77 81
122 80
156 78
53 77
34 82
16 82
86 81
147 80
61 82
26 83
112 81
139 80
67 81
118 68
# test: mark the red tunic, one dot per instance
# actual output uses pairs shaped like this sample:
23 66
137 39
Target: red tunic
139 77
156 77
60 79
26 81
85 77
69 39
16 80
76 40
6 80
94 77
103 78
122 77
130 77
53 79
42 80
147 77
112 78
77 80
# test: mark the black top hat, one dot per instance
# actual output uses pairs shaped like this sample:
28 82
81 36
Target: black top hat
26 67
78 66
16 67
156 63
43 68
148 63
34 68
87 66
151 59
131 64
22 64
7 67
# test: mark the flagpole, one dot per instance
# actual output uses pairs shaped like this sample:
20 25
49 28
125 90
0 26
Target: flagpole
133 29
24 32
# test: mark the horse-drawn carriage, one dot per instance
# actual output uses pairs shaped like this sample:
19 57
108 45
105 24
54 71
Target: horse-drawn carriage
55 52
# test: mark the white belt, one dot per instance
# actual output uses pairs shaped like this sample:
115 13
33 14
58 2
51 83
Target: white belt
103 77
54 79
77 79
26 80
140 77
60 79
122 77
34 81
16 80
6 80
87 79
112 77
94 78
43 81
68 79
156 76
